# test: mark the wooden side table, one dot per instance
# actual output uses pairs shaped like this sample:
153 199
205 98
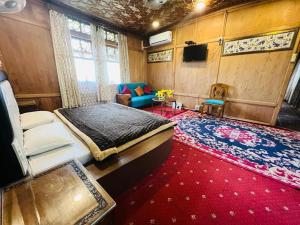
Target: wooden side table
66 194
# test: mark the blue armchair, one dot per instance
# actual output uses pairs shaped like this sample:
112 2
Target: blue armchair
134 100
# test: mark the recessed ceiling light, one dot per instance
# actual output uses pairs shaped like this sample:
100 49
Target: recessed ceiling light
155 24
200 5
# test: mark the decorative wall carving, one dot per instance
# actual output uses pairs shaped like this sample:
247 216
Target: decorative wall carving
263 43
161 56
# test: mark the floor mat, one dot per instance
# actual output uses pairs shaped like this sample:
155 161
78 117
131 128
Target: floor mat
192 187
266 150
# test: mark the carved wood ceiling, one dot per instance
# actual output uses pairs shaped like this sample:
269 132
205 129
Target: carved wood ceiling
135 16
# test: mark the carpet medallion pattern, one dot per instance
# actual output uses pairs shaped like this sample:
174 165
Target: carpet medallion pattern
266 150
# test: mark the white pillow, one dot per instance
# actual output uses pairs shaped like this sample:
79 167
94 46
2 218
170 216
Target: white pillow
45 138
33 119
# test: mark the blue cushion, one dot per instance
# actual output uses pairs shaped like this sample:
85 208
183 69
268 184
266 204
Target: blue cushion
214 101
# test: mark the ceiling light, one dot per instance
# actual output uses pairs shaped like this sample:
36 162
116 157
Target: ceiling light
155 24
200 5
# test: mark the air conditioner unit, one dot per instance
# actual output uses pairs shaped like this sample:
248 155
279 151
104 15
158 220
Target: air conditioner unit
160 39
11 6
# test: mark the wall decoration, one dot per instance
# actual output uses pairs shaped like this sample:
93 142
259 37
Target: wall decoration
161 56
275 41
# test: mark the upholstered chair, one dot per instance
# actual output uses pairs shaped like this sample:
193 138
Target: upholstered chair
217 95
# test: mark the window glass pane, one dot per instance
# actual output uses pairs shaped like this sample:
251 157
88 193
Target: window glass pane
86 48
85 29
82 48
75 44
113 69
110 36
85 69
74 25
112 54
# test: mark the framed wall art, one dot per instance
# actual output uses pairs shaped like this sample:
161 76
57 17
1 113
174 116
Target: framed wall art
160 56
275 41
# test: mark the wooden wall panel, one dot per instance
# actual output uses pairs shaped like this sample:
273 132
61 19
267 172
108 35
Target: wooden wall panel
272 16
255 113
137 59
28 55
29 61
35 13
256 80
196 77
160 75
186 32
137 66
209 28
255 77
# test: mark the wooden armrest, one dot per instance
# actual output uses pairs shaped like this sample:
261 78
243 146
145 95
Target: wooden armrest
124 99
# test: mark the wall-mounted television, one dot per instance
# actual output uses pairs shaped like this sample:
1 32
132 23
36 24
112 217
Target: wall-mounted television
195 53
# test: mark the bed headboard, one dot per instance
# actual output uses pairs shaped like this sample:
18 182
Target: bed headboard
13 162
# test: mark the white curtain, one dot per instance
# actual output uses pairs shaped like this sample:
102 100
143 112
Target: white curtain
64 60
106 90
88 93
124 59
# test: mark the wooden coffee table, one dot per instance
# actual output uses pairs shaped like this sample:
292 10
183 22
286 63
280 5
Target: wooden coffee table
66 194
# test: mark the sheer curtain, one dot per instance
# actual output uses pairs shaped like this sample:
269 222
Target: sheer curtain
106 90
124 59
64 60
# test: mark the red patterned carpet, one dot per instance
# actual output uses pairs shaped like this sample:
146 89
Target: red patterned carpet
166 112
192 187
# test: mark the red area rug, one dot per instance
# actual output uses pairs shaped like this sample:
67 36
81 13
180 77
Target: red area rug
192 187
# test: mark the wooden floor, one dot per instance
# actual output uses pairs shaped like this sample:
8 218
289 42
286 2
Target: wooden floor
288 117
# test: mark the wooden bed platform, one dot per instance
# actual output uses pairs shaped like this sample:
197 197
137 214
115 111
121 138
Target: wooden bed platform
119 173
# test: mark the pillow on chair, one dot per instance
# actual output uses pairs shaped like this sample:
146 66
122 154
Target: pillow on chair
214 101
126 90
139 91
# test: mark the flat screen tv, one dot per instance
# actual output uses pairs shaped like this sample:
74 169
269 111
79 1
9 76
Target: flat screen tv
195 53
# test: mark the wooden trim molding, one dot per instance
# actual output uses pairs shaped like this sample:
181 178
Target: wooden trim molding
38 95
191 95
243 101
250 102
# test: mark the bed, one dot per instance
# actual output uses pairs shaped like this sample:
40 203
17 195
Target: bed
105 160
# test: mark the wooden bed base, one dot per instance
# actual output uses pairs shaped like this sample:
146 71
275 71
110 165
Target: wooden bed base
118 173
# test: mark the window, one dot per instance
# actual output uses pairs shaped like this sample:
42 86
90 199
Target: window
82 50
83 56
112 54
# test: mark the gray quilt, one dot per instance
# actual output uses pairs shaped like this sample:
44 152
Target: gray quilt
112 125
